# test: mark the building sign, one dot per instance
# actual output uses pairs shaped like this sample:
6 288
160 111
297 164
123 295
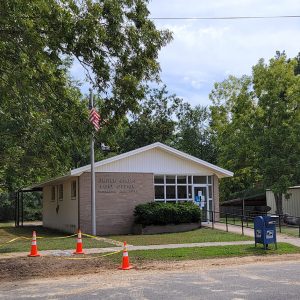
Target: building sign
120 185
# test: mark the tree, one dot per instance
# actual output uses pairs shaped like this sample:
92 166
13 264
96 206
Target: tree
256 121
155 122
43 124
194 134
277 89
233 113
112 39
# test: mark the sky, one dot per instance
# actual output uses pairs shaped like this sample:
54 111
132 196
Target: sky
207 51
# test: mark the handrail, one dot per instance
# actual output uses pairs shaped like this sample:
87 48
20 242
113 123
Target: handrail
239 219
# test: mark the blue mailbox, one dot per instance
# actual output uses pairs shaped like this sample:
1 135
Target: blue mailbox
265 230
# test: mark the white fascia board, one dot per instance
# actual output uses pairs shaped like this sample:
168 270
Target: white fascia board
215 168
220 171
51 181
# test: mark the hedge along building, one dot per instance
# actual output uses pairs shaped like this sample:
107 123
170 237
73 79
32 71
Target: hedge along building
152 173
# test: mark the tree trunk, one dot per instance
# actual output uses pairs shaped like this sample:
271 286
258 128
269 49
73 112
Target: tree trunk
278 201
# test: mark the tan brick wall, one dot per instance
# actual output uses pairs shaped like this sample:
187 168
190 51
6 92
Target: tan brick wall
216 197
117 194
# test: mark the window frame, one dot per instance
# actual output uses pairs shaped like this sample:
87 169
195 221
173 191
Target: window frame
73 197
60 192
189 183
53 188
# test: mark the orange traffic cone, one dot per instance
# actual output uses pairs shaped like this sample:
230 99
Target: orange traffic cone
125 260
34 249
79 249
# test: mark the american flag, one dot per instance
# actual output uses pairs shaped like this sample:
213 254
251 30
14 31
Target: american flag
95 118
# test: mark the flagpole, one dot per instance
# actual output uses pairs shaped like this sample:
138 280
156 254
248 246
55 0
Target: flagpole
93 201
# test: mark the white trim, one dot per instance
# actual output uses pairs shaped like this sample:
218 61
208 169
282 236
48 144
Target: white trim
186 185
54 180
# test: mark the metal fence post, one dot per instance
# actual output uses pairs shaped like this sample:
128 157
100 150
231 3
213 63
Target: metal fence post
242 219
280 223
212 219
226 222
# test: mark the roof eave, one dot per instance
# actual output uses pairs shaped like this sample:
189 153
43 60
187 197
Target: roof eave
220 172
51 180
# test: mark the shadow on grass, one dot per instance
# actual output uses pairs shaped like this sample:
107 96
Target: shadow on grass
46 239
27 231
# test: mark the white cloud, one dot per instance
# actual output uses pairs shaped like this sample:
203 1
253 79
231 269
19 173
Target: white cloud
206 51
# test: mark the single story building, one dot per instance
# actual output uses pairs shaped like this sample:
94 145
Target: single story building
290 205
152 173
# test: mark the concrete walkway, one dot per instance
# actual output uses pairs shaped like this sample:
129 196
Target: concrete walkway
129 247
250 232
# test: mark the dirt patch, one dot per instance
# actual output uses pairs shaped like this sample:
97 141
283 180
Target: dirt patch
14 269
41 267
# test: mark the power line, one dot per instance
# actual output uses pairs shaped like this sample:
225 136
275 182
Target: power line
202 18
224 18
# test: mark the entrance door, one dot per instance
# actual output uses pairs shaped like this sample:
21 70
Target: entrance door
206 208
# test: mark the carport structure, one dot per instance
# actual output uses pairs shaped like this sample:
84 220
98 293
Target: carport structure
19 204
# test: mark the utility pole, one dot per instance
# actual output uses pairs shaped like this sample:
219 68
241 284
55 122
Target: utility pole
93 200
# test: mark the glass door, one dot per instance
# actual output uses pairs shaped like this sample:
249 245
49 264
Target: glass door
202 191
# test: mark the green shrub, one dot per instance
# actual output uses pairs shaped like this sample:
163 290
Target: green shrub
158 213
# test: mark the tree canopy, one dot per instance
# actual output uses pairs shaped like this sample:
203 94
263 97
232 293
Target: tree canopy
43 124
256 121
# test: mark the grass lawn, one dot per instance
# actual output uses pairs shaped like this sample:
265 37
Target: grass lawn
201 235
205 252
8 232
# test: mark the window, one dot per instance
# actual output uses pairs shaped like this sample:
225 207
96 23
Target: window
181 192
170 192
179 187
209 191
199 179
172 187
61 192
190 192
159 179
73 189
181 179
159 192
209 179
170 179
53 193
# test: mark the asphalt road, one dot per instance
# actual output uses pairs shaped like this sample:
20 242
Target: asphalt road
267 281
